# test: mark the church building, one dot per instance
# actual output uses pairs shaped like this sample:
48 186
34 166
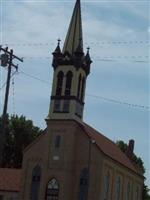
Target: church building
71 160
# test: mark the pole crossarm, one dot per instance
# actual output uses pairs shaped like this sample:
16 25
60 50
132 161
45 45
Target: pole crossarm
13 56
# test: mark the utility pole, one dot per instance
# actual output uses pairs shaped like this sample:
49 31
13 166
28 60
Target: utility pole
6 60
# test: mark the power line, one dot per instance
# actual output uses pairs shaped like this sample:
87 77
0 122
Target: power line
119 102
98 57
96 96
31 76
91 95
132 58
123 42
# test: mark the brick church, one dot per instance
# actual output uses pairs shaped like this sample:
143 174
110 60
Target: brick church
71 160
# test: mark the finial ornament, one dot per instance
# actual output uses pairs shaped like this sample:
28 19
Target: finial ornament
59 40
88 49
87 57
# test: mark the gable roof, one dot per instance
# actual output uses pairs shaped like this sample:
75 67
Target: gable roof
108 147
10 179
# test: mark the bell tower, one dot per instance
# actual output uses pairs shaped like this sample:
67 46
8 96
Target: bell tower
71 68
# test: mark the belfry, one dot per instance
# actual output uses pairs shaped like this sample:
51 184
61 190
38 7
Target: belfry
71 68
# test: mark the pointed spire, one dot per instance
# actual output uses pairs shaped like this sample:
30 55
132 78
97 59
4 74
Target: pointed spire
87 57
79 49
74 37
57 50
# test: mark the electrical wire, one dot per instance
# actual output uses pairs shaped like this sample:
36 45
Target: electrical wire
31 76
90 95
135 59
125 42
119 102
95 96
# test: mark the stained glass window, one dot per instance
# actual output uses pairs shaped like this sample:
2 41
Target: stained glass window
128 191
137 193
106 186
83 187
35 185
118 188
52 192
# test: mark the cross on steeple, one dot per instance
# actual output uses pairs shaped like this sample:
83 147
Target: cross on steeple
88 49
59 40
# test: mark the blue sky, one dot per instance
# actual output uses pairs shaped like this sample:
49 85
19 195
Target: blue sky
118 35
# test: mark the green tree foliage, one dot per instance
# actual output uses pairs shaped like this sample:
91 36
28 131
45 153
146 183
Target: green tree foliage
146 191
138 161
20 132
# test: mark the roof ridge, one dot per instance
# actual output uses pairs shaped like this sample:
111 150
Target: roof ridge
98 132
34 141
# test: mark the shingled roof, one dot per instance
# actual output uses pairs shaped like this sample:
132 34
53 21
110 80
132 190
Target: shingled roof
10 179
108 147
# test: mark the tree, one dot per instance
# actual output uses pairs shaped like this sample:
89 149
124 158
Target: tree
138 161
20 132
146 191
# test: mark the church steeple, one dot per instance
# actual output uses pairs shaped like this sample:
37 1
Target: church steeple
71 68
74 36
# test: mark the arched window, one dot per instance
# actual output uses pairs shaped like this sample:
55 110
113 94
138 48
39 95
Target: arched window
68 83
137 193
106 186
83 184
35 184
79 87
57 141
82 90
52 191
118 188
128 190
60 77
